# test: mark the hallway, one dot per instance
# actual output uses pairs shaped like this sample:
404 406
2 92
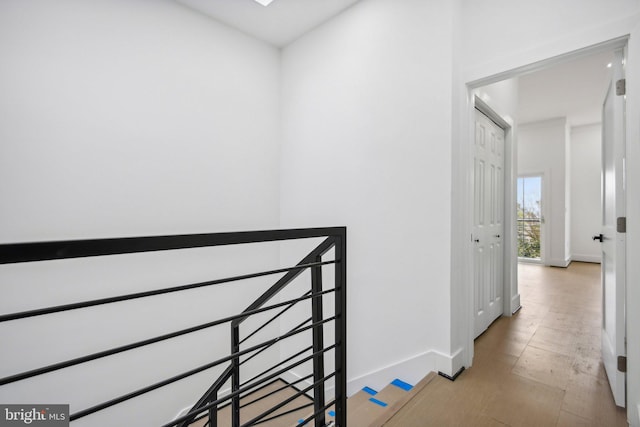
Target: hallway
540 367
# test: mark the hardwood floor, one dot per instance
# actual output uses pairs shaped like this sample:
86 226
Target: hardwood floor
540 367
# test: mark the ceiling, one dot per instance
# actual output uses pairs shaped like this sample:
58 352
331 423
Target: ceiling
279 24
574 89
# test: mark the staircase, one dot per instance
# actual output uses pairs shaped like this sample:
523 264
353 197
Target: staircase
259 401
370 408
289 309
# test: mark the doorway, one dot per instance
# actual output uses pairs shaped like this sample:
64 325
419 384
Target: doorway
527 211
530 218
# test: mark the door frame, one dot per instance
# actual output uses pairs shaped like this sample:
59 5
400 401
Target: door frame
510 301
462 209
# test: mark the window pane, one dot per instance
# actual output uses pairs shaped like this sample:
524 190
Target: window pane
529 211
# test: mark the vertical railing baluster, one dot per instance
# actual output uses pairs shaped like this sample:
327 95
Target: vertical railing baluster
318 343
235 376
213 412
341 329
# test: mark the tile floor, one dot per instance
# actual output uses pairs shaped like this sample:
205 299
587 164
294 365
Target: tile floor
540 367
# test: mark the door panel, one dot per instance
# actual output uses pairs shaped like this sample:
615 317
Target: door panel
613 242
488 222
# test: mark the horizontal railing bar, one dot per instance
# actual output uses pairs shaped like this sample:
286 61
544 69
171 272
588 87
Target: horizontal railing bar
288 400
311 257
315 414
282 414
110 300
285 386
189 373
105 353
242 341
266 348
242 390
41 251
320 250
249 393
281 363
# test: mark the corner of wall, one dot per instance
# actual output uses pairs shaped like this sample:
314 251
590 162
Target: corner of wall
449 364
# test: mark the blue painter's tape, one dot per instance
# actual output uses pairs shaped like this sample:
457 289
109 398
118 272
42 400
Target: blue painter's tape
402 384
332 413
378 402
369 390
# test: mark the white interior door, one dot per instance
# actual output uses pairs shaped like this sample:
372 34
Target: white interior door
488 229
612 237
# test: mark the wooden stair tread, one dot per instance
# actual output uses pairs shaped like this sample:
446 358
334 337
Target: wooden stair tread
372 414
249 412
362 412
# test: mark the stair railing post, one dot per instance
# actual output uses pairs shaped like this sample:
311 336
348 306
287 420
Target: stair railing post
341 329
235 375
318 344
213 412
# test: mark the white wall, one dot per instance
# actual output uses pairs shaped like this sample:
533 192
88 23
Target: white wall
586 221
495 33
367 124
125 118
500 36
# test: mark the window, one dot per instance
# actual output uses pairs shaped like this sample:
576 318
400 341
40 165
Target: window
529 205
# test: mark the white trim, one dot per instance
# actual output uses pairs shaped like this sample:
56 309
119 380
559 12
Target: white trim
183 411
293 377
522 260
556 121
617 36
559 262
597 259
411 370
515 304
186 409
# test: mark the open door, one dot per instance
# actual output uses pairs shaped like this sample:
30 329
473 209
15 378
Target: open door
613 233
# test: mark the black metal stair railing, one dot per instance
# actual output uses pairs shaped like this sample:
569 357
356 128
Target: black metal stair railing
241 352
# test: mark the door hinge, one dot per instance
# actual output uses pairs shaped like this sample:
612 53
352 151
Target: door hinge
621 224
621 87
622 363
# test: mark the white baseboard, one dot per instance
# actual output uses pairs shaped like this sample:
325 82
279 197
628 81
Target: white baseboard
559 262
292 377
515 304
411 370
587 258
186 409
